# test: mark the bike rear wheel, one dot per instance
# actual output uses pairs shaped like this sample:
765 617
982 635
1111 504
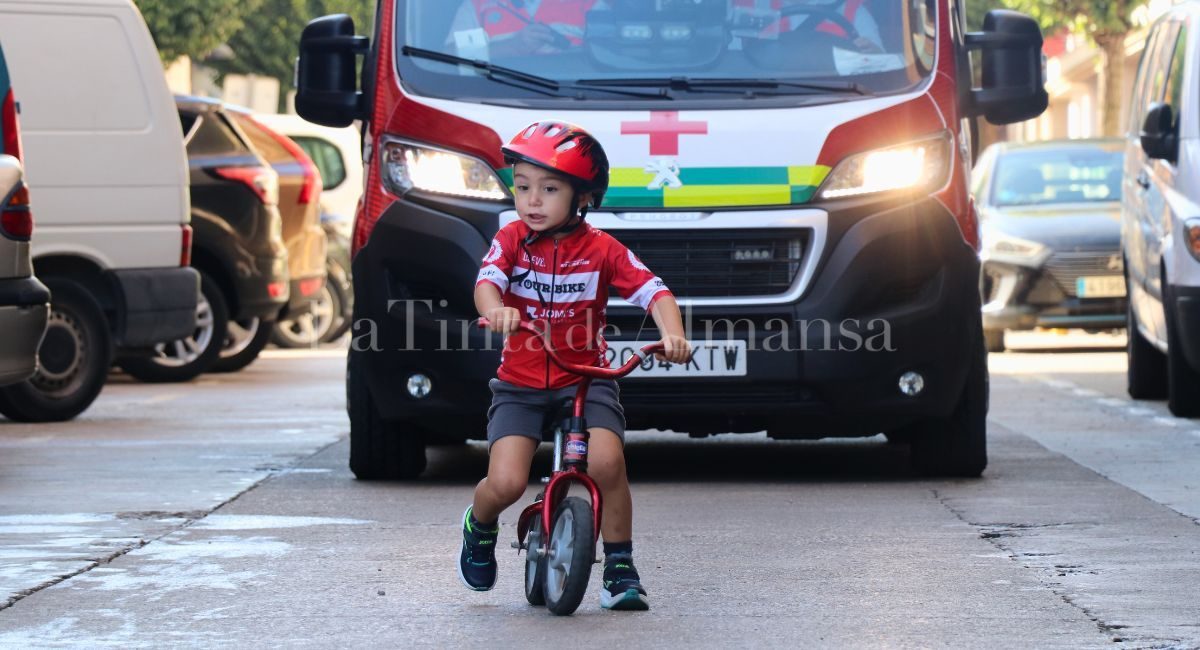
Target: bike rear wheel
568 564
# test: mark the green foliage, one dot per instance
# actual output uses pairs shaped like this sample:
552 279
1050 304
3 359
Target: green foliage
194 27
1104 22
269 42
977 9
1088 17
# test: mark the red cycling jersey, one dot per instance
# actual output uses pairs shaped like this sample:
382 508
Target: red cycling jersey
562 285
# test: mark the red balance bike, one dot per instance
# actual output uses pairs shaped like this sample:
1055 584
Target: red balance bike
558 565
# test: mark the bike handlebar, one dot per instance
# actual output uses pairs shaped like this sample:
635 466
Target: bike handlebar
587 371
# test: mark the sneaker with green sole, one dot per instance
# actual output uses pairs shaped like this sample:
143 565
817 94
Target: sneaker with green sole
477 560
621 588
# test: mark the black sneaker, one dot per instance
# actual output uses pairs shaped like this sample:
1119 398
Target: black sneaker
477 561
622 589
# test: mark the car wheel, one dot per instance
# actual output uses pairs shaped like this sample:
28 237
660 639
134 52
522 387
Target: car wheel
378 449
244 340
1183 381
186 358
994 339
1146 371
957 445
307 330
73 360
342 292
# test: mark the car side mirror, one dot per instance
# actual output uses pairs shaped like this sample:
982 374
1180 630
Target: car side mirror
1158 136
1013 68
327 89
11 176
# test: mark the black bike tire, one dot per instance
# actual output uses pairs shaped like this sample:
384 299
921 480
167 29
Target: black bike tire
535 591
582 557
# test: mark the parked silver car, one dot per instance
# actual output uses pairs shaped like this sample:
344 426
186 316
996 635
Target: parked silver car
24 302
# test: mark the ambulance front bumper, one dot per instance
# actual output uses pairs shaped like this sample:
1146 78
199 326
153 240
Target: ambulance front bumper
890 293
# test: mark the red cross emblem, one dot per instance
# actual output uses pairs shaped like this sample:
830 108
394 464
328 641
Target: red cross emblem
664 129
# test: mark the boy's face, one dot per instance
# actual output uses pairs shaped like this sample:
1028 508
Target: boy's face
543 198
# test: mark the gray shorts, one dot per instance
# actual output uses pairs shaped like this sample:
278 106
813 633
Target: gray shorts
520 411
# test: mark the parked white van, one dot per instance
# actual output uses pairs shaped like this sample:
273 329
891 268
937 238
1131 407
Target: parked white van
1160 215
104 157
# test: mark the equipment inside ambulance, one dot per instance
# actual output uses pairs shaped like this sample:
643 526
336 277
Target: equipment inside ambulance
795 171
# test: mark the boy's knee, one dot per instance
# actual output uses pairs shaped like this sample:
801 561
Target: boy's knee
607 471
508 487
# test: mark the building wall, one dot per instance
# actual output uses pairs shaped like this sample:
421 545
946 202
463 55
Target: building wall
1075 83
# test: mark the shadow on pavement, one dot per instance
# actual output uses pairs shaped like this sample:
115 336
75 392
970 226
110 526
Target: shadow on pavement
729 458
1068 350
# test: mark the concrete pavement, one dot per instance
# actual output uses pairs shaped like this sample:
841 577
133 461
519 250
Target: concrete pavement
227 516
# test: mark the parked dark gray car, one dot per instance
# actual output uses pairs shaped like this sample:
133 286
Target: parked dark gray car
238 249
1050 214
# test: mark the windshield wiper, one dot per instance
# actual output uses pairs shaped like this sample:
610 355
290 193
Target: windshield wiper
734 85
498 73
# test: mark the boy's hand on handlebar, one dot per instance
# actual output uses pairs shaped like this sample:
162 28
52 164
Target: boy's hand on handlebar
676 349
503 320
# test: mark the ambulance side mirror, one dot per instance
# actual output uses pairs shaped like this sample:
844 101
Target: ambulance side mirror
1013 70
327 89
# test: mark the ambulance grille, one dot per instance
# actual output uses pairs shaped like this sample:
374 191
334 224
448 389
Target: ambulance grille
719 263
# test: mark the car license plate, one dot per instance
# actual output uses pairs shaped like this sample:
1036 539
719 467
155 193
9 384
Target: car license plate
1100 286
709 359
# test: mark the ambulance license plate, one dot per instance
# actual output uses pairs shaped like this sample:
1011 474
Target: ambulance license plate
709 359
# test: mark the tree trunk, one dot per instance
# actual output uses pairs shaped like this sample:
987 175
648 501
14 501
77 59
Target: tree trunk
1113 46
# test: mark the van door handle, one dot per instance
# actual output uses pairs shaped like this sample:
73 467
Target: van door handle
1143 179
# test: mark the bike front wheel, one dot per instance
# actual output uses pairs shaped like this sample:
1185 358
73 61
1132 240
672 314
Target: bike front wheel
568 564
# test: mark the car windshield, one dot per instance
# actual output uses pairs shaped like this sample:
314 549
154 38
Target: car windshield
666 49
1068 175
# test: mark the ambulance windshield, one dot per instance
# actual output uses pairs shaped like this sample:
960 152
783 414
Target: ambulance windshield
678 49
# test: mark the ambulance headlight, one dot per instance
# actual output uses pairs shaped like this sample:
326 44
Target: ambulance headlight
914 167
406 166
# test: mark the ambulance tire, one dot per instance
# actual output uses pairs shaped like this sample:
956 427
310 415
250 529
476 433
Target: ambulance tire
379 450
956 446
994 340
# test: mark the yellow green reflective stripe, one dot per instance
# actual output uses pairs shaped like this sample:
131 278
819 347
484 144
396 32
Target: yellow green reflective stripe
803 193
629 177
633 197
811 176
734 176
710 186
690 196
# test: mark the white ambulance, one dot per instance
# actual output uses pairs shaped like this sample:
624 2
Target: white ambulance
796 171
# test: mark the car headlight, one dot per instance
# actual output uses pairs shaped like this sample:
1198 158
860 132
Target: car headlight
1191 231
408 166
916 166
999 247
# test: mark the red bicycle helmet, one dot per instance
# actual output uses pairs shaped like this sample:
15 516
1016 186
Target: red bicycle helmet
564 148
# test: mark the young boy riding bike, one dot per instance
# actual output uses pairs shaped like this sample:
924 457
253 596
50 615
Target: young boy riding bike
555 268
